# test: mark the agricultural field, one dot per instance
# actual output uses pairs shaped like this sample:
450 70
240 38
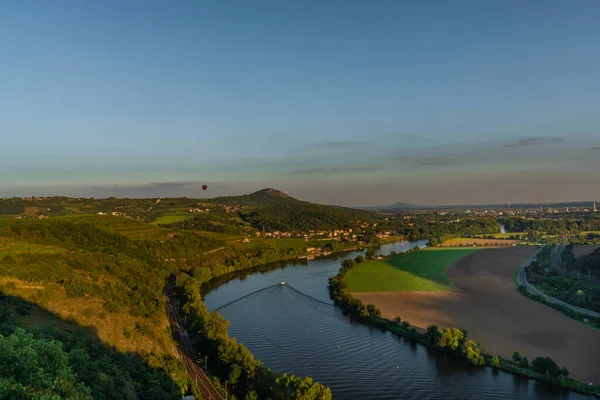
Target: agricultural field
584 249
133 229
479 242
417 271
171 218
487 304
9 246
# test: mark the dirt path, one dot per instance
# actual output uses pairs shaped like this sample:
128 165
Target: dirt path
488 305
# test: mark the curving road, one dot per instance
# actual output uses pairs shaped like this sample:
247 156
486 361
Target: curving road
522 281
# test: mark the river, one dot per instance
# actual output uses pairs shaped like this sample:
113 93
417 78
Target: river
296 329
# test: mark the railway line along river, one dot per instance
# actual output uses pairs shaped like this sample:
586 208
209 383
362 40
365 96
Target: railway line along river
296 329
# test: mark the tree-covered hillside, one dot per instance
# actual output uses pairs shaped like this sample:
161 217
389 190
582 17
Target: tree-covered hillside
306 216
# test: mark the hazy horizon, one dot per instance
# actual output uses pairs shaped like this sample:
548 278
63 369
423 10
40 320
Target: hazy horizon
142 192
335 103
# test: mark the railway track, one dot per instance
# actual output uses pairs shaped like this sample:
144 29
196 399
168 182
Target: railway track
205 384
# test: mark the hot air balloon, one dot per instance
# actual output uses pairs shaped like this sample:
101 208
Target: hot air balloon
204 187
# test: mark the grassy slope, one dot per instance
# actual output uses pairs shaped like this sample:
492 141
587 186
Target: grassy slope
418 271
88 311
171 218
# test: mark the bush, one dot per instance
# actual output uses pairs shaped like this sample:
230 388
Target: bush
516 356
524 363
142 328
112 306
495 361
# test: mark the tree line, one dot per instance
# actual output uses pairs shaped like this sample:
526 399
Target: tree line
452 340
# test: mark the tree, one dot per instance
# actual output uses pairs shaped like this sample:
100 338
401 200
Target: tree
473 353
564 372
370 254
348 264
516 356
432 242
37 368
524 363
359 259
545 366
373 311
495 361
450 338
432 332
251 395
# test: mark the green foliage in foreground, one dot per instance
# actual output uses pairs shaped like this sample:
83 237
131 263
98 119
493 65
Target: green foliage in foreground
37 368
415 271
63 360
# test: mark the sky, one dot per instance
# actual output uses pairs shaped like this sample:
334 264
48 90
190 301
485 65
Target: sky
337 102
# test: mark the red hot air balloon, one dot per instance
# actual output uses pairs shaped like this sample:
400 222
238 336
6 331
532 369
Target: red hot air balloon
204 187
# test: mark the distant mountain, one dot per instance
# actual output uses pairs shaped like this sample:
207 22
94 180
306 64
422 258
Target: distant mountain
405 206
395 206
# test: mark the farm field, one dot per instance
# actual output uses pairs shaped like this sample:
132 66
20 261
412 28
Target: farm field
171 218
9 246
487 304
479 242
419 271
584 249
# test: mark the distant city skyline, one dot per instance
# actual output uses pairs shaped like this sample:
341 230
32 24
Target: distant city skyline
352 104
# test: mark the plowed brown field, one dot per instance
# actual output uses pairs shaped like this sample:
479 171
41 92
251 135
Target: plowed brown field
487 304
584 249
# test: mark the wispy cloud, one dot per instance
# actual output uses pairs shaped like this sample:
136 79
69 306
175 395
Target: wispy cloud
346 143
594 148
335 170
431 162
532 141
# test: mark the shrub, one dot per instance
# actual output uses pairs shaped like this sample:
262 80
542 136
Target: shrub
495 361
142 328
524 363
516 356
112 306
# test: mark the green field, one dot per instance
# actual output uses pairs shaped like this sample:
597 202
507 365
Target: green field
419 271
9 246
171 218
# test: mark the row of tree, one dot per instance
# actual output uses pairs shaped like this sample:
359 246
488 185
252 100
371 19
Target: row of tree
231 361
451 340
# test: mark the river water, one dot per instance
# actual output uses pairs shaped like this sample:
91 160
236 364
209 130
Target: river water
296 329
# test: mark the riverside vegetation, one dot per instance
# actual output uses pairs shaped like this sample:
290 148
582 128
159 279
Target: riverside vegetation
451 340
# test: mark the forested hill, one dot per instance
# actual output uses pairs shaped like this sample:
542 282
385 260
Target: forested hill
262 198
303 216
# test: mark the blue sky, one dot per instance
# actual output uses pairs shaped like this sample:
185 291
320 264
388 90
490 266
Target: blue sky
342 102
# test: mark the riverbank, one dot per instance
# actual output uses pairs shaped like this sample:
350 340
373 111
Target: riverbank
229 361
371 316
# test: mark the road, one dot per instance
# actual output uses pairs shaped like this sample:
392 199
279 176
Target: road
556 252
522 281
208 389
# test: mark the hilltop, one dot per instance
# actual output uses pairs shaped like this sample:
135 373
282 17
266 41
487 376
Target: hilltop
261 198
